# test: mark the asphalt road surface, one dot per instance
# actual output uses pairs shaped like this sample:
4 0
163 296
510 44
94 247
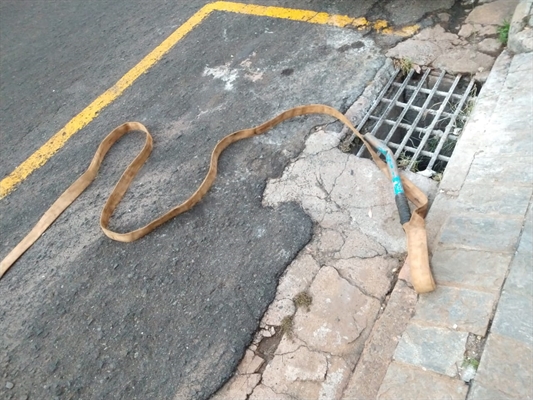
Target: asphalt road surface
170 315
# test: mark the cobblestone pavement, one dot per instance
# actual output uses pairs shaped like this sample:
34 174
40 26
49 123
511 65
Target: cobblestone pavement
346 324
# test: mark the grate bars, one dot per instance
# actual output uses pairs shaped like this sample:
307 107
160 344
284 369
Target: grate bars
419 118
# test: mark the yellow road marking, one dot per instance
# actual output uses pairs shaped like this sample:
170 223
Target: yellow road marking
58 140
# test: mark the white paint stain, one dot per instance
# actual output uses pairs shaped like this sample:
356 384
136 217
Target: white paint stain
229 75
260 232
224 73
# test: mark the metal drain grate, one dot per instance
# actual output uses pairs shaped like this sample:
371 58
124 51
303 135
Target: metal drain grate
420 119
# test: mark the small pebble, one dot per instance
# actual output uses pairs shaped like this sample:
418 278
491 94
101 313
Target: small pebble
9 385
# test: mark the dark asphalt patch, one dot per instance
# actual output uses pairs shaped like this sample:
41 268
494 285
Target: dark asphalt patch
86 317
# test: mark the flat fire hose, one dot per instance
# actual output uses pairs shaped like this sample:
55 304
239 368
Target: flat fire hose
414 228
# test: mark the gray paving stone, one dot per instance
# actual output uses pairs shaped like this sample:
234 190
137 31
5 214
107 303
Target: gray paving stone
403 382
520 279
514 317
437 349
510 125
481 232
526 239
511 116
513 144
498 199
437 217
507 366
456 308
510 169
471 268
480 392
495 12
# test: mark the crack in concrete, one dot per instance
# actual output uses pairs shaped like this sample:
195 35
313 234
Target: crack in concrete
270 387
476 154
295 350
321 186
342 172
355 285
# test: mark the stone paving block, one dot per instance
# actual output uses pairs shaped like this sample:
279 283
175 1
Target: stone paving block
437 349
380 346
512 145
498 199
481 232
494 13
514 317
480 392
507 366
520 279
507 135
475 269
490 46
403 382
504 170
510 121
437 216
526 239
455 308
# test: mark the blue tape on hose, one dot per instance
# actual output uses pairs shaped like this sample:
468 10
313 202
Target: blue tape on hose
397 183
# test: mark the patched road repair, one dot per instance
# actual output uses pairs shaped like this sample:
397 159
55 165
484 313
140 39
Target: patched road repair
171 314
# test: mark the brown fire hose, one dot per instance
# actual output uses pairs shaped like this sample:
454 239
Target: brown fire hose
415 230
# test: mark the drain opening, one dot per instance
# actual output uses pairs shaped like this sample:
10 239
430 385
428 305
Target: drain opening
420 118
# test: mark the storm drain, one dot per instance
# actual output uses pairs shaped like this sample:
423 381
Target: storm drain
420 117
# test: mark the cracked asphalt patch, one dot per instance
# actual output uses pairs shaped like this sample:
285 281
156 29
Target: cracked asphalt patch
348 270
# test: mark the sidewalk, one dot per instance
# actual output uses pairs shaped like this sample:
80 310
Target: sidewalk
482 248
477 327
344 325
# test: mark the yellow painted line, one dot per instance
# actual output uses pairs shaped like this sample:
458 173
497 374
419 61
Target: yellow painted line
58 140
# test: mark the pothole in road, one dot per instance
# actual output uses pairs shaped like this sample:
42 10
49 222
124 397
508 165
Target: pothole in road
420 115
